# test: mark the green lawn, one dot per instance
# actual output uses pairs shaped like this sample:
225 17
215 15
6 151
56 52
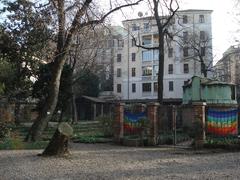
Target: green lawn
84 132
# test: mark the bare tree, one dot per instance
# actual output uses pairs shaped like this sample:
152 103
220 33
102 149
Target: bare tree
200 46
163 12
83 58
66 28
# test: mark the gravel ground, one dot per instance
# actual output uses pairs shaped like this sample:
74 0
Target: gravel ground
105 161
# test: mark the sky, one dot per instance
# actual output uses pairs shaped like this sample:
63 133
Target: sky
224 24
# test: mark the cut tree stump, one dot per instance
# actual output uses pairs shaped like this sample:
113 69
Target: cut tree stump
58 145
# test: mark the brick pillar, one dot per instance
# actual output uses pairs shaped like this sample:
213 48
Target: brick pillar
199 115
152 115
118 124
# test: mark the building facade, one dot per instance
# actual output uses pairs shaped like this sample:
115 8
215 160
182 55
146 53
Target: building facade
136 69
227 68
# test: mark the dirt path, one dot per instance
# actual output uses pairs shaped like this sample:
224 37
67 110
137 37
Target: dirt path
103 161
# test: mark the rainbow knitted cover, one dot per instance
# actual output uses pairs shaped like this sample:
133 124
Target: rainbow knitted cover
132 121
222 122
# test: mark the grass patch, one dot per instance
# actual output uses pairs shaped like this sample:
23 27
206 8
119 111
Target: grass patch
84 132
90 137
229 143
15 143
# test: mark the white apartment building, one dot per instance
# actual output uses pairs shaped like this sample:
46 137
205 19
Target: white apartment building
135 69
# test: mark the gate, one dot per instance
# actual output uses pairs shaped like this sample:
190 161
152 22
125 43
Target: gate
171 129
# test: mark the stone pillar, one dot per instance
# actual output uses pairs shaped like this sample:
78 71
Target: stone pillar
118 124
199 115
152 115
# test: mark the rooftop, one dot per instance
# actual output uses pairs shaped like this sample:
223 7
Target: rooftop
186 10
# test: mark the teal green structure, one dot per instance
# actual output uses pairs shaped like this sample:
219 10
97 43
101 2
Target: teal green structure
209 91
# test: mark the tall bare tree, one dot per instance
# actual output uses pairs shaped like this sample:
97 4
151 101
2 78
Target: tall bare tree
163 12
200 46
82 58
67 26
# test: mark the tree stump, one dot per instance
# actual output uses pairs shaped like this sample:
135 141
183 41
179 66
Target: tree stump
58 145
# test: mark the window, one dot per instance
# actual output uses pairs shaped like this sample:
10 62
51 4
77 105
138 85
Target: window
120 43
170 85
170 52
119 72
170 69
155 39
155 86
133 72
113 43
185 52
202 35
155 70
146 26
119 57
133 56
202 51
185 36
185 68
110 43
201 19
78 40
185 19
133 42
147 55
147 71
155 54
146 40
119 88
135 27
146 87
133 87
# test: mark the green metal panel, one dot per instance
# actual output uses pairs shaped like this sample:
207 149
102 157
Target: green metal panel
211 93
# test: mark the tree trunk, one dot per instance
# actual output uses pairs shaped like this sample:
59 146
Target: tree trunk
46 114
161 51
17 113
203 69
58 146
74 110
160 68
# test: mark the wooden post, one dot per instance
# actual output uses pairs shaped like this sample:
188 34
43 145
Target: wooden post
94 111
152 115
118 124
101 109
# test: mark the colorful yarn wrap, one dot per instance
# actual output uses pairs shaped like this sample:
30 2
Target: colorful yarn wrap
222 123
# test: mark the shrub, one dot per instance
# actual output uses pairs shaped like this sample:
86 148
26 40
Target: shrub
5 130
11 143
107 125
